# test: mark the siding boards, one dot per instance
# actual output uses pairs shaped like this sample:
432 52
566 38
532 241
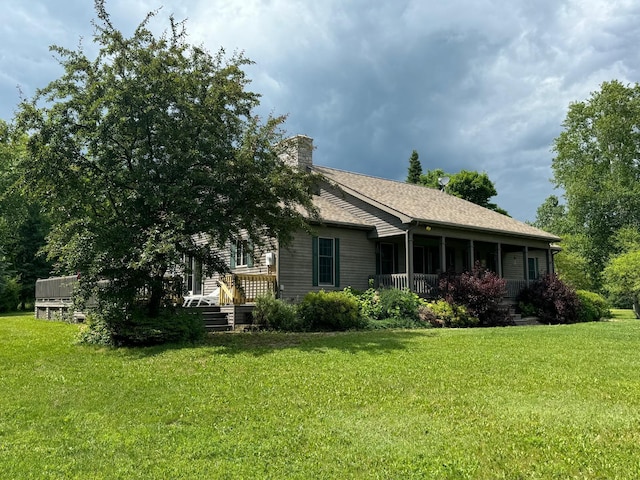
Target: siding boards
357 262
385 224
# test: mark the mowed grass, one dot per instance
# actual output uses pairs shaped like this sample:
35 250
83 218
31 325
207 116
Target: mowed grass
526 402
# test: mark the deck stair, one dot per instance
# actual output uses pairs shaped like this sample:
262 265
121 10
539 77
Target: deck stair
214 320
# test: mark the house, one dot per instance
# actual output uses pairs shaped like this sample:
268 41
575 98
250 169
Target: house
388 233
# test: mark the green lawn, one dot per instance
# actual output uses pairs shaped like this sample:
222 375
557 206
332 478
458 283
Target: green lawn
527 402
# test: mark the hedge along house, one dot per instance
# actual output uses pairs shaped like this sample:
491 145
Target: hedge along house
390 233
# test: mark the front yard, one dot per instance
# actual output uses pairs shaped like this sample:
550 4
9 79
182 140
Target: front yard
526 402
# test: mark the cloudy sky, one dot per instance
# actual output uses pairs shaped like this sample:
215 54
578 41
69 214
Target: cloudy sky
470 84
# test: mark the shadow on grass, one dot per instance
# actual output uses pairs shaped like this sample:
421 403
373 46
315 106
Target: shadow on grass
265 343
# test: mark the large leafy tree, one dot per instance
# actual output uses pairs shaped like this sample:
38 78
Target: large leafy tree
570 263
621 276
154 141
597 163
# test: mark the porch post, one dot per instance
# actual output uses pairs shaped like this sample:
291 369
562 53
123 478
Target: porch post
409 258
548 255
499 262
472 259
526 264
443 254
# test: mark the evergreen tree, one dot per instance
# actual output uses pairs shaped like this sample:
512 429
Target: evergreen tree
415 169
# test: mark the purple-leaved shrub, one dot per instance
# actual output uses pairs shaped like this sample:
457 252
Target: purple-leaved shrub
480 291
551 300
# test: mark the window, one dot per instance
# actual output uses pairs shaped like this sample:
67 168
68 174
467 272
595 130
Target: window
326 261
534 269
419 260
387 260
193 275
241 254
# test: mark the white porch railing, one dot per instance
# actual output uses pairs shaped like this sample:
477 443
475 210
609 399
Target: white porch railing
423 283
427 284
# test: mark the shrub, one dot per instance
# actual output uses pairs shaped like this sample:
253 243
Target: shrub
9 294
443 314
276 314
396 303
95 331
115 326
527 309
593 307
369 301
330 311
480 291
552 299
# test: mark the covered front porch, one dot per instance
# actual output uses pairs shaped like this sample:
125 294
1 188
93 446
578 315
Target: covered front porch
416 260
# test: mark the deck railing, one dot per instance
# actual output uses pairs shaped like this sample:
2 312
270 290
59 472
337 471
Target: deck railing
238 289
56 288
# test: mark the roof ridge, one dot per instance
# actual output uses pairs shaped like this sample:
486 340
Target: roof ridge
378 178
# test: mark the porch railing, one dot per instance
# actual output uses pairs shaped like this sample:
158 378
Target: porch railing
427 284
423 283
514 287
239 289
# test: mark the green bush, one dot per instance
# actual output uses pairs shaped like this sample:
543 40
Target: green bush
441 313
9 294
396 303
330 311
527 309
276 314
369 300
113 326
95 331
593 307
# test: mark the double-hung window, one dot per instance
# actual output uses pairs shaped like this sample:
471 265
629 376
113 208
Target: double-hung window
534 268
193 274
241 255
326 261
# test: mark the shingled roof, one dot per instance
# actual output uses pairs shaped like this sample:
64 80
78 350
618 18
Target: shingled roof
416 203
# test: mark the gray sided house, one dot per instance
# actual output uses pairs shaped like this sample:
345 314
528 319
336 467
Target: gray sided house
390 233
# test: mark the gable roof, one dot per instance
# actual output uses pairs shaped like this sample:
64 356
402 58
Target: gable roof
416 203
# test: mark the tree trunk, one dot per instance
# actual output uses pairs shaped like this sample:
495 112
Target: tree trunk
636 306
155 300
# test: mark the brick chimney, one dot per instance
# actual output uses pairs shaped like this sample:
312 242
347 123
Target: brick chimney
298 151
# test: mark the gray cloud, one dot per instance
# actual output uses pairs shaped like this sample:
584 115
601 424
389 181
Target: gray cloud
480 85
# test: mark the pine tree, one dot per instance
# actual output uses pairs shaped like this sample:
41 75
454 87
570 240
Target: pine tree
415 169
